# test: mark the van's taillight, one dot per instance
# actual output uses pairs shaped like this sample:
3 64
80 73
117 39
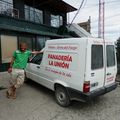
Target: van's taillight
86 86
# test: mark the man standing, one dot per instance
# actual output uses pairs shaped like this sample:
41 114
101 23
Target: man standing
16 69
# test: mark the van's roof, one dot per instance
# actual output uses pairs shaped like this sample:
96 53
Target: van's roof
78 40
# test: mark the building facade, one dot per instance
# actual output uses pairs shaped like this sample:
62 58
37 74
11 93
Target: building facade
86 25
30 21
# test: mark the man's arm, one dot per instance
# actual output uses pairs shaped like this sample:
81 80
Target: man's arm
11 63
38 52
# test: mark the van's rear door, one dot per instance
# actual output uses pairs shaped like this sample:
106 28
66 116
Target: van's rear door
95 70
111 67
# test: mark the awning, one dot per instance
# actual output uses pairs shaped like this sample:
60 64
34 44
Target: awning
31 31
53 5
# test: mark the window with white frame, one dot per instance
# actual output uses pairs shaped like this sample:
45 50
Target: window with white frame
56 20
33 14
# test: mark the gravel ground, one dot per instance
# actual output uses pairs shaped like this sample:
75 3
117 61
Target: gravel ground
35 102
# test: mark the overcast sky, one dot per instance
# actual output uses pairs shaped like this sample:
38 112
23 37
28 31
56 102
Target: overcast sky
91 8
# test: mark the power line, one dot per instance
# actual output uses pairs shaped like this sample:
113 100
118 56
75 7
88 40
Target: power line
107 26
84 4
77 11
94 5
108 17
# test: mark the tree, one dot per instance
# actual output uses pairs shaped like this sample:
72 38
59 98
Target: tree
118 50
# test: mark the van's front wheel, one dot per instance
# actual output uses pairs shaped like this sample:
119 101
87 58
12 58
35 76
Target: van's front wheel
62 97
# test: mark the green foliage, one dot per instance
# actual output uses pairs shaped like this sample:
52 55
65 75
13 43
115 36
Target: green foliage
118 50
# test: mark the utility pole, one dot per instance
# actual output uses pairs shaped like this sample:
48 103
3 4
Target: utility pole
101 22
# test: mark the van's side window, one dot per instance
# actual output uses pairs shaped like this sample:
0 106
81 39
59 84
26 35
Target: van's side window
110 55
37 59
96 57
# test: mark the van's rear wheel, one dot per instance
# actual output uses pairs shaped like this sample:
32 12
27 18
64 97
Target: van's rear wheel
62 97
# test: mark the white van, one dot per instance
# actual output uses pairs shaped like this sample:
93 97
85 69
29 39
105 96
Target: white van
75 68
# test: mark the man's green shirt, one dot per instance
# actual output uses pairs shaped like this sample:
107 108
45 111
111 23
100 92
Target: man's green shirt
21 59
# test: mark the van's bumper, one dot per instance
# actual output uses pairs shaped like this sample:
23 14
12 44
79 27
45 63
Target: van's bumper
77 95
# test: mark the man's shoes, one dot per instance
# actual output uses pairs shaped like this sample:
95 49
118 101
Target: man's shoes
11 93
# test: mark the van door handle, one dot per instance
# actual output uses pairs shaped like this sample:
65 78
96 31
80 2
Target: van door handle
108 73
92 74
38 67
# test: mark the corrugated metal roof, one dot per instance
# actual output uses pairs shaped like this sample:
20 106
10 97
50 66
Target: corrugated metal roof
32 31
79 30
